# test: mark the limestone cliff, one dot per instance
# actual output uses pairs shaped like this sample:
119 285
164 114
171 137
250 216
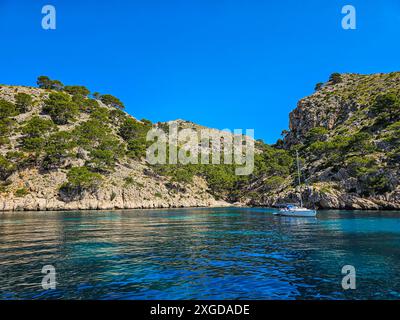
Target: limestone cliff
348 136
34 173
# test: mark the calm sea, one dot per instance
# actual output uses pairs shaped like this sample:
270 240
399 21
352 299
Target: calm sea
217 253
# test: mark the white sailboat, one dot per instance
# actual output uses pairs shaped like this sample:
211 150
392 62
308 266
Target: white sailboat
292 210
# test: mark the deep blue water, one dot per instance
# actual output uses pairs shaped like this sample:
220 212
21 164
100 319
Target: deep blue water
224 253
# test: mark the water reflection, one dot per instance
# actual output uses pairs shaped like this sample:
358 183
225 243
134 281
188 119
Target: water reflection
227 253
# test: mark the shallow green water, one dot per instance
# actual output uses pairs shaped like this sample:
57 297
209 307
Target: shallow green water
224 253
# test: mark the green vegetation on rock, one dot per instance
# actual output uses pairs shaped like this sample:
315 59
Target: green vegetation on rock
359 138
45 82
7 109
112 101
347 134
335 78
61 108
77 90
81 179
23 102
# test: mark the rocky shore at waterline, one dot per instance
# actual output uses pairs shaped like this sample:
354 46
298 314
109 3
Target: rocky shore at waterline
42 192
333 199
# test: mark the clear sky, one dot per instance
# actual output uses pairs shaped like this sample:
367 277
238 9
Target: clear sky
220 63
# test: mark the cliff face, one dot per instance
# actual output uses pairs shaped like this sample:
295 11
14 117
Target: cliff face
341 106
38 149
146 190
348 137
63 149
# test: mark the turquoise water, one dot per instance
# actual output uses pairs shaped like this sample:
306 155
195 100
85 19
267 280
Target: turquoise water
223 253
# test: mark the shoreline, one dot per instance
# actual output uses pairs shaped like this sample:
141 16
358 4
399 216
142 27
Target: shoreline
220 206
215 204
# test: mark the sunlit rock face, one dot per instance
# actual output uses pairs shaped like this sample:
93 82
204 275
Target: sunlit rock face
353 161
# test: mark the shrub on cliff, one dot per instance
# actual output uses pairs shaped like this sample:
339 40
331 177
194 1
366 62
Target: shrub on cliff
101 160
35 131
6 167
17 158
177 173
319 147
370 178
61 108
90 132
6 125
316 134
34 144
361 142
7 109
220 178
359 166
96 95
394 156
131 128
81 179
45 82
57 148
77 90
94 133
318 86
21 192
272 162
23 102
112 101
100 114
274 182
137 148
393 133
146 122
134 132
335 78
85 104
103 146
117 117
335 149
376 183
387 107
37 126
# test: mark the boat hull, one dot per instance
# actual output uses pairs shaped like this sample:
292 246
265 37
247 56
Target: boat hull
296 213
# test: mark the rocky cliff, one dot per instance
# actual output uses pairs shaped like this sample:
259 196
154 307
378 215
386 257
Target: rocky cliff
64 148
39 148
348 136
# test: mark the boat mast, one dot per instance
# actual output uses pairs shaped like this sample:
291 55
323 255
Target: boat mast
298 176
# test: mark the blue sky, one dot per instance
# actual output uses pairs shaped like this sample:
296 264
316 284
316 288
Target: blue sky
224 64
